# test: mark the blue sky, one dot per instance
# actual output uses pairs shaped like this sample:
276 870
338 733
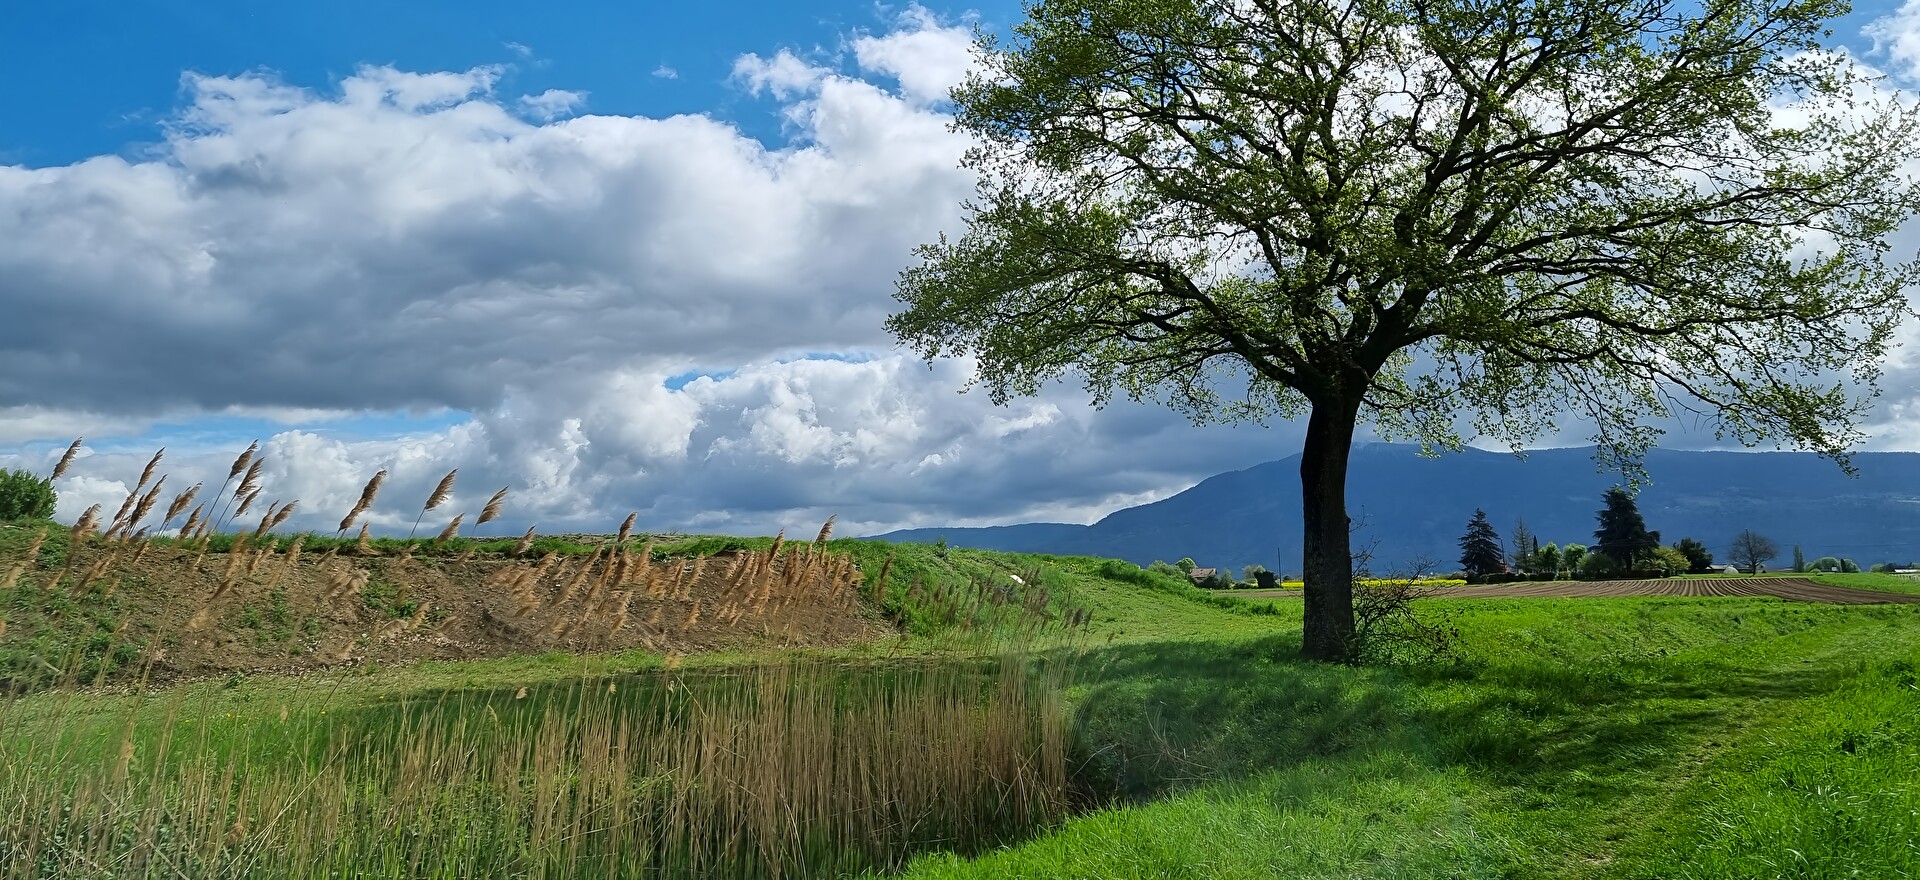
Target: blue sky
105 72
616 256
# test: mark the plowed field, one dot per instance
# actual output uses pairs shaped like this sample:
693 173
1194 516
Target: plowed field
1796 589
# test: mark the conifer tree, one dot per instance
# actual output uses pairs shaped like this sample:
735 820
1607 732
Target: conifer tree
1480 546
1623 534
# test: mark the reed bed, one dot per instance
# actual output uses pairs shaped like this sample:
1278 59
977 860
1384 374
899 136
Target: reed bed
797 769
800 768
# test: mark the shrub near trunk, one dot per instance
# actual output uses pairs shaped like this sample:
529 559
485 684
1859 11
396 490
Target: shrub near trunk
25 496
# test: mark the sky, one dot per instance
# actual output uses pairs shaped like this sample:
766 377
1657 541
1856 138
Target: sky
614 256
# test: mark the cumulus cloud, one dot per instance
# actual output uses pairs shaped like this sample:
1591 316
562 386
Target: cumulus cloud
552 103
924 55
665 72
784 75
422 242
619 312
1896 36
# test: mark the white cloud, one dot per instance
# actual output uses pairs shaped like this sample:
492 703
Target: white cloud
784 75
421 242
925 56
79 492
883 442
552 103
665 72
1896 36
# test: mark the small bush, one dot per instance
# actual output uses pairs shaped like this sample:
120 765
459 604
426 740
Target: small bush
25 496
1178 585
1596 566
1392 624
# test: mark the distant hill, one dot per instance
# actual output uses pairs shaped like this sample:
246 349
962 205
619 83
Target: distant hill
1414 506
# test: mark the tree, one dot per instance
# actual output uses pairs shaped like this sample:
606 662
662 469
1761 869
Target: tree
1827 564
1848 566
1623 534
1750 551
1427 215
1596 566
25 496
1186 565
1480 547
1799 559
1669 560
1571 556
1699 558
1547 561
1524 543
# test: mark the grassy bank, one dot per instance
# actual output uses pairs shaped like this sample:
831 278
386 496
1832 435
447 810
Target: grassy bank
1586 738
1173 734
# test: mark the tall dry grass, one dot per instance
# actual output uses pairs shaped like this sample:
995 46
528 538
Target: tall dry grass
785 770
796 769
441 493
66 460
367 494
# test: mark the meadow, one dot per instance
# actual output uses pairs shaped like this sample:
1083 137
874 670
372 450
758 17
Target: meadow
1001 716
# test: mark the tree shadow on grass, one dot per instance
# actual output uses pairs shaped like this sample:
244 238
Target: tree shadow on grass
1156 718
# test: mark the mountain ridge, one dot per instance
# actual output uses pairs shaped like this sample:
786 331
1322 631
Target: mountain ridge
1408 506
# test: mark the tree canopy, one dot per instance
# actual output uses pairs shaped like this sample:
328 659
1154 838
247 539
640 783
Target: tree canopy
1750 550
1480 547
1699 558
24 495
1623 534
1444 218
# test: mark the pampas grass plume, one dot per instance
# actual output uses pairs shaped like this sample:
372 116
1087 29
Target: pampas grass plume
84 526
285 512
492 511
240 464
152 463
250 483
443 491
366 499
247 500
180 503
147 501
66 461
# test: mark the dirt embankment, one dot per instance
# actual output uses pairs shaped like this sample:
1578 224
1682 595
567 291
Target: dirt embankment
1796 589
198 615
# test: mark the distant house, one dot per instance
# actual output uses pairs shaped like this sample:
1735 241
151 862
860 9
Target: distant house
1201 575
1723 568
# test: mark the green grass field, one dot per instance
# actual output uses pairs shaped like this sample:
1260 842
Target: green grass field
1635 738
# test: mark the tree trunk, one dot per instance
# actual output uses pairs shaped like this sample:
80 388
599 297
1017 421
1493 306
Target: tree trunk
1328 567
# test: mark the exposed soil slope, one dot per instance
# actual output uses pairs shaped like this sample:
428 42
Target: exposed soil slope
194 615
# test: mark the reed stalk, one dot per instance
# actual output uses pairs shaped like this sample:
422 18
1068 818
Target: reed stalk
441 493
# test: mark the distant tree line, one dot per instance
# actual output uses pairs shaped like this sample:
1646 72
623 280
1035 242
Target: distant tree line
1623 547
